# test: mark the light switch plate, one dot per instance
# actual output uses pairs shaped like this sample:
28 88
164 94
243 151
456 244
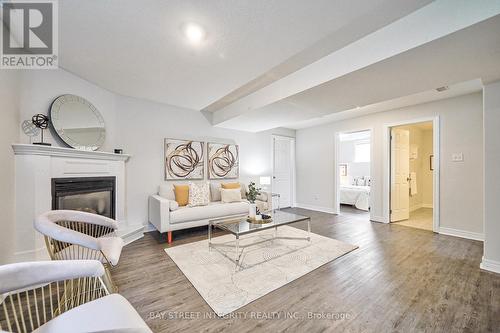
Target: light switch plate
457 157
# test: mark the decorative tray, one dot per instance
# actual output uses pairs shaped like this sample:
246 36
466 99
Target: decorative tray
263 221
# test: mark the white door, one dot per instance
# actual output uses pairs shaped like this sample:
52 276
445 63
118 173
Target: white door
400 172
282 170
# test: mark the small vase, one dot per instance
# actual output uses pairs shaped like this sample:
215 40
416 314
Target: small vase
252 210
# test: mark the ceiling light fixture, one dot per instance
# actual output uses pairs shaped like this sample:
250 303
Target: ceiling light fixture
194 33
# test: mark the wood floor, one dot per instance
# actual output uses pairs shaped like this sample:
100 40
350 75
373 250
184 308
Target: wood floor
401 279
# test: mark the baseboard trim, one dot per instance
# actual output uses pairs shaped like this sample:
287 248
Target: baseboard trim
131 233
490 265
414 208
31 255
328 210
461 233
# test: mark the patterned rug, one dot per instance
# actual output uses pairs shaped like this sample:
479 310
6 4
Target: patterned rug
265 264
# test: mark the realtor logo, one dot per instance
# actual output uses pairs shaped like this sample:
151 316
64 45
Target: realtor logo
29 34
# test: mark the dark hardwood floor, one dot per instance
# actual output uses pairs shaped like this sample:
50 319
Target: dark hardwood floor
401 279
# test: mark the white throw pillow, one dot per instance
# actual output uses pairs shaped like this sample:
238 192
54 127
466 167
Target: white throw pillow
360 181
199 194
230 195
215 191
173 205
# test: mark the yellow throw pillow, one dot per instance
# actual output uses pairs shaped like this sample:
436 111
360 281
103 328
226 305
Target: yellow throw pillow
230 186
181 194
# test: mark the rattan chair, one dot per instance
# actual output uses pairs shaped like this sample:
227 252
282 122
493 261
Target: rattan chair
75 235
62 296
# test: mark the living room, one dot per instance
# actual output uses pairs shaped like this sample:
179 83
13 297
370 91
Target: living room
207 137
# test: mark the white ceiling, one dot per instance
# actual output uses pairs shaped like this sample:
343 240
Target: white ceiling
283 63
136 48
409 78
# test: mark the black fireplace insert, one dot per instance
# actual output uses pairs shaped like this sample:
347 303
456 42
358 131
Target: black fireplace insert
88 194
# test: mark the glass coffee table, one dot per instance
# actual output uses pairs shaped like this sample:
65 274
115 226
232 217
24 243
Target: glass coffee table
239 226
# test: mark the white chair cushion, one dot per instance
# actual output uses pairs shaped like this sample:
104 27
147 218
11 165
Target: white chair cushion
110 313
213 210
112 248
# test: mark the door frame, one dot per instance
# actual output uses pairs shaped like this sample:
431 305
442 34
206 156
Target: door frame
336 175
293 200
436 176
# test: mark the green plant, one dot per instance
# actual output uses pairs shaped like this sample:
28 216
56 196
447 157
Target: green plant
253 192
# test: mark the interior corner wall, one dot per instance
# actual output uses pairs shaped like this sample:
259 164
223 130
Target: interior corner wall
139 127
491 256
142 128
461 118
9 109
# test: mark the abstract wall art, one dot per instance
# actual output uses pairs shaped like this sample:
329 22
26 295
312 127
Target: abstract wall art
184 159
223 161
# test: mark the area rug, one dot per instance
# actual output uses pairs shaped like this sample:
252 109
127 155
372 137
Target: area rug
266 264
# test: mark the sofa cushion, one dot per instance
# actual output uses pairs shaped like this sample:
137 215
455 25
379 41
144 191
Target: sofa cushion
213 210
181 194
166 191
231 186
215 191
230 195
199 194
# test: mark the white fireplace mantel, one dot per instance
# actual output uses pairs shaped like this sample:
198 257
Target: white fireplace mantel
37 165
25 149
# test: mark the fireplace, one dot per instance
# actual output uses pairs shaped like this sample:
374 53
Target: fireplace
88 194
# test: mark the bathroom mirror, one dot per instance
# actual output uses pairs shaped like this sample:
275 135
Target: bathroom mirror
77 122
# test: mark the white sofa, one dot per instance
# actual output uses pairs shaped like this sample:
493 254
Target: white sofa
166 217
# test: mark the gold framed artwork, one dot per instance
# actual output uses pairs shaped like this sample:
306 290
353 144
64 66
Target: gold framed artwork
184 159
223 161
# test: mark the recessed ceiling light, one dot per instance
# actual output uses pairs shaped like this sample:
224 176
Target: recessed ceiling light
194 33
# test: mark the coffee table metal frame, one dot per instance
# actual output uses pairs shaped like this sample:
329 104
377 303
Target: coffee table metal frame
224 223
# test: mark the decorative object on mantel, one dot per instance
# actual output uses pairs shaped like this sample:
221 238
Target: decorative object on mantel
30 129
118 151
252 194
184 159
223 161
41 121
77 122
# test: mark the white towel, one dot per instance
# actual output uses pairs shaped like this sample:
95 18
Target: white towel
413 183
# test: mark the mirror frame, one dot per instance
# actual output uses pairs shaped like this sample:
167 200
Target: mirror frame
55 109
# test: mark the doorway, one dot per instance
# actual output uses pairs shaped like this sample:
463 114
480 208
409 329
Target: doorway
283 182
353 174
412 166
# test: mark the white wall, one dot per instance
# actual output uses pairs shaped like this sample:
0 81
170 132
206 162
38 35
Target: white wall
139 127
491 258
143 125
347 156
9 124
461 131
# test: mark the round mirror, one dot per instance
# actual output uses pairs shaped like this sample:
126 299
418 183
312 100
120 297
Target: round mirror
77 122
